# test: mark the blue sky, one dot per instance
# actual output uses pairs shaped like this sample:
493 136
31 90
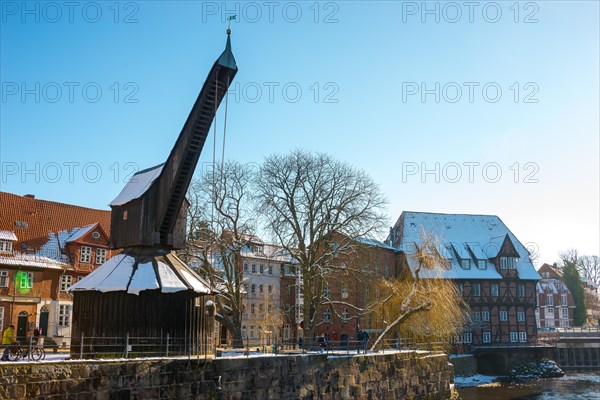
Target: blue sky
94 92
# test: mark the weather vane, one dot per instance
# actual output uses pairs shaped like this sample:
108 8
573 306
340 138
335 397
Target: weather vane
229 19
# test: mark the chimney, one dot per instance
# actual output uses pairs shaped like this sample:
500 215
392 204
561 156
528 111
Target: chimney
30 196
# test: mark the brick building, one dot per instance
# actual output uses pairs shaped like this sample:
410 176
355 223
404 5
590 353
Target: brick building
555 304
349 288
45 247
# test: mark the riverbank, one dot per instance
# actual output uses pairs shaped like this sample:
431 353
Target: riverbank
572 386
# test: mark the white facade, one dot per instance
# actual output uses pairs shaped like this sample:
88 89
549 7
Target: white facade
261 320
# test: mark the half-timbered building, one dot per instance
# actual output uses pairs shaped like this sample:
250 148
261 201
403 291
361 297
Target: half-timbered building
492 269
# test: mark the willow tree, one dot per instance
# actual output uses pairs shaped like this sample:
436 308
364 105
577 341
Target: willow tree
220 221
308 202
422 304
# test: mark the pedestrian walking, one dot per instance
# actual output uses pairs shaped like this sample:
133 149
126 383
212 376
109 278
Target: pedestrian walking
8 340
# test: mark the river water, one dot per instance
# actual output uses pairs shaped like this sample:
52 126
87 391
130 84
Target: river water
572 386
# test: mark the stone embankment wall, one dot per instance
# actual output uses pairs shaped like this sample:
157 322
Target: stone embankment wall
464 365
405 375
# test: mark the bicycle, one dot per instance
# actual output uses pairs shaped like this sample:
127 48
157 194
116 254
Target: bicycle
33 353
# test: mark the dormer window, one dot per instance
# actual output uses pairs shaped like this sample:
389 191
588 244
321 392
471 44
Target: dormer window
512 262
465 264
6 246
86 254
100 256
481 264
503 263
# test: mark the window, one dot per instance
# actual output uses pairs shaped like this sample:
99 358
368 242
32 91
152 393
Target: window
344 292
327 315
65 282
86 254
563 299
559 287
523 337
476 290
465 264
481 264
270 289
564 313
345 314
468 337
521 290
503 263
386 271
3 280
514 337
245 267
494 289
252 308
5 246
64 315
96 235
503 316
289 270
252 332
244 332
487 337
549 312
512 263
476 316
261 269
270 270
326 292
521 316
26 280
563 323
100 256
549 299
253 288
261 289
253 268
485 315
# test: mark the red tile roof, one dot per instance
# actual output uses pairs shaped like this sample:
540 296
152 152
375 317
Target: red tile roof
42 217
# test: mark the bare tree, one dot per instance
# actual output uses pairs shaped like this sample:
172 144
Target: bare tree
220 221
589 269
310 201
422 304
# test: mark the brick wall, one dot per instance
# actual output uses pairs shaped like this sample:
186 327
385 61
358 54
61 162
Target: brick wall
411 374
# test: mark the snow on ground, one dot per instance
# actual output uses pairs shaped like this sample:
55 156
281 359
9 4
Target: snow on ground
474 380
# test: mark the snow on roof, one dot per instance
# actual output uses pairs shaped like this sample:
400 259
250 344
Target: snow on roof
143 279
8 235
133 274
32 260
137 185
373 242
78 233
484 234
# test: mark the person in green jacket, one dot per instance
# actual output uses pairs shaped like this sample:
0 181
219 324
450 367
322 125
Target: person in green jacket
8 339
